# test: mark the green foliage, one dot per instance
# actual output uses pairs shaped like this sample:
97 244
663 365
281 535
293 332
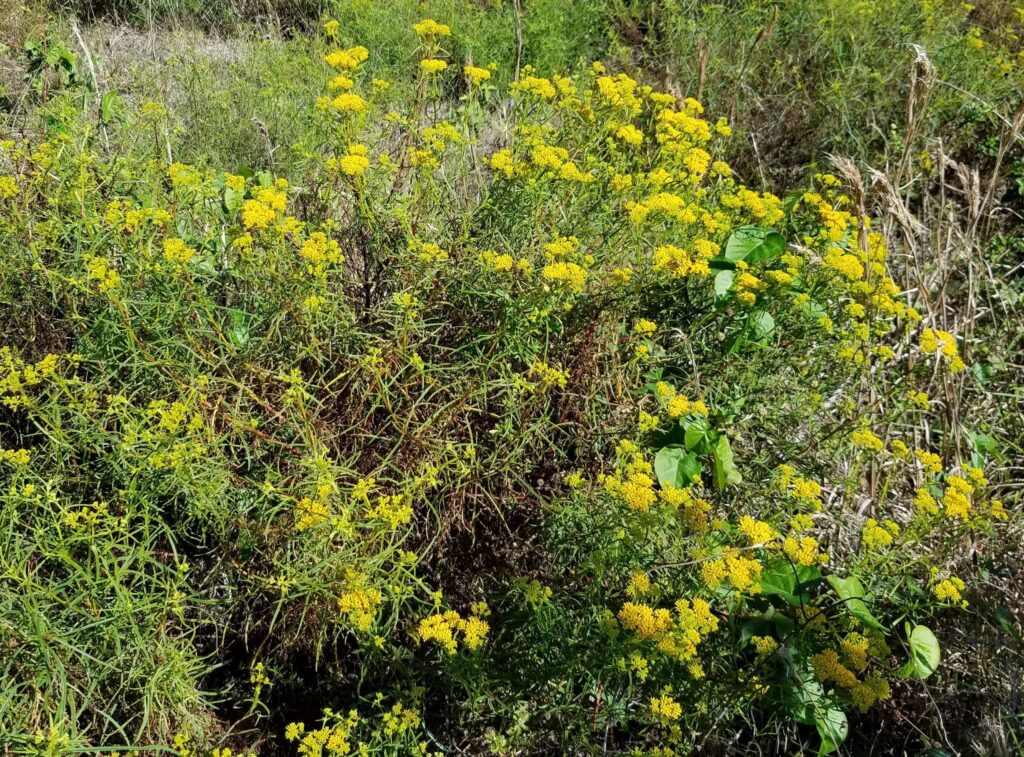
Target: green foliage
459 412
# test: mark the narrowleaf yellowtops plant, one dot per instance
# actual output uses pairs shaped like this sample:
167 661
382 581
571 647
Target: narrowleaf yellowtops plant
520 420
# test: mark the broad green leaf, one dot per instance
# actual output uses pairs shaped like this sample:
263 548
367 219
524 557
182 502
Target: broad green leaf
110 107
726 472
762 323
832 728
982 372
696 434
232 199
852 592
924 654
770 622
675 466
802 695
1005 620
723 282
814 309
781 578
239 328
983 446
753 244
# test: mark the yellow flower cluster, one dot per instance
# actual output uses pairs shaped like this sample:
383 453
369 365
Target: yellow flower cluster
432 66
476 74
17 457
747 284
17 375
620 91
505 163
359 603
182 175
341 82
679 262
666 709
867 440
757 531
829 668
336 740
546 376
348 102
630 135
85 517
934 341
99 270
675 635
570 275
347 60
855 649
8 187
257 215
400 720
644 327
428 27
677 405
537 86
176 251
395 510
354 162
310 513
441 628
744 573
804 490
803 550
956 499
633 482
949 590
428 252
877 535
319 250
931 462
639 584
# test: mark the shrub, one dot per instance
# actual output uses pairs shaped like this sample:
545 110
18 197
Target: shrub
538 437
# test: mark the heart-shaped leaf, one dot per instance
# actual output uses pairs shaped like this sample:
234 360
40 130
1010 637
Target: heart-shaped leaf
752 244
925 654
832 728
696 437
675 466
790 582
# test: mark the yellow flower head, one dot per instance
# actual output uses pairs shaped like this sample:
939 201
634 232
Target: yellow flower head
428 27
433 65
476 74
